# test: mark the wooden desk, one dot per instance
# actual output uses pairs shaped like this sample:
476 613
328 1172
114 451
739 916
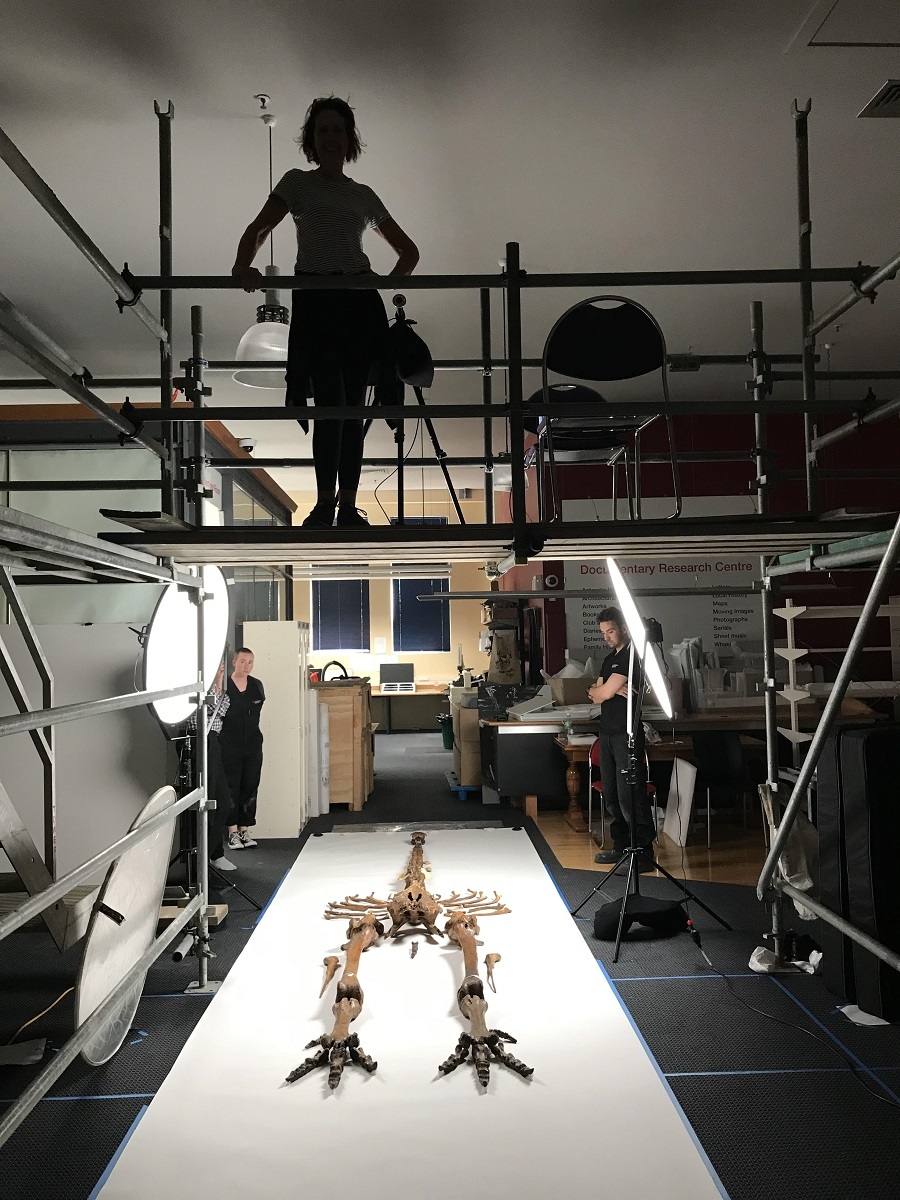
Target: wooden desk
424 692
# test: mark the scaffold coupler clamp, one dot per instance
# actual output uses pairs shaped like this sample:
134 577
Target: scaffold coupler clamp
859 415
121 304
130 413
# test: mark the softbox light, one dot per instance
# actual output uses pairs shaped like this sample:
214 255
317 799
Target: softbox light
643 649
170 650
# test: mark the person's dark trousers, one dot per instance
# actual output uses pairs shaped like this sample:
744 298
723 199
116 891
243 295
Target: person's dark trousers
243 768
338 445
217 788
617 791
336 338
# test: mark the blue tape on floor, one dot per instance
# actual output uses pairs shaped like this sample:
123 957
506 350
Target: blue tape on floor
115 1158
712 1171
837 1041
674 1099
658 978
274 894
117 1096
765 1071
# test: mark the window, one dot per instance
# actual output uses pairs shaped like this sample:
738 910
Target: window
340 614
420 626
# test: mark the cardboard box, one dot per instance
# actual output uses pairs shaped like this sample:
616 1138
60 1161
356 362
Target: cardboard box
505 611
571 691
466 746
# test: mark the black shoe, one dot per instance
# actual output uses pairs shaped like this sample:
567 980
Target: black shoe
321 517
349 517
643 862
608 857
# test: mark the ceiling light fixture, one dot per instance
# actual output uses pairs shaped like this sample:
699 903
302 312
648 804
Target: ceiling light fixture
267 338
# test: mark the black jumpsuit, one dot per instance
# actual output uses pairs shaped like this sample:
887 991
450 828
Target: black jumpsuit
241 743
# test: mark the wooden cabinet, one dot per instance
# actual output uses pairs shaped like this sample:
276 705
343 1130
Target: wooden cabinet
351 769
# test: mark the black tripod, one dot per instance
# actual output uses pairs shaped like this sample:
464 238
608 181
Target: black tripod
414 367
636 685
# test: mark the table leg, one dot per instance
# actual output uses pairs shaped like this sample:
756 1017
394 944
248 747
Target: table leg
531 807
574 816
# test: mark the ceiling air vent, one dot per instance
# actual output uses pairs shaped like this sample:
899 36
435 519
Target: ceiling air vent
886 102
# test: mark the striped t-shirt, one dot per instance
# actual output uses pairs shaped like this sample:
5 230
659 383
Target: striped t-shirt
331 216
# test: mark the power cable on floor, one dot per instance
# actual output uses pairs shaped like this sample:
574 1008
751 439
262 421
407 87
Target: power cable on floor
40 1014
832 1046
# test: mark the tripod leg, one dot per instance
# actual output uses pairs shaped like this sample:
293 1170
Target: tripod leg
440 455
603 882
226 882
690 895
628 879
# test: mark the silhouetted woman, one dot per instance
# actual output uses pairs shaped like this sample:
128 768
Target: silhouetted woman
338 336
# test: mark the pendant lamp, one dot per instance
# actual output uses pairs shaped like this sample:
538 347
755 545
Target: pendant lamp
267 339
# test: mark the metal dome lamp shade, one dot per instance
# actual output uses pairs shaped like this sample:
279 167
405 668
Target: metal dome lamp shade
267 339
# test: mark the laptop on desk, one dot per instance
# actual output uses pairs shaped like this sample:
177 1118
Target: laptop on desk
397 679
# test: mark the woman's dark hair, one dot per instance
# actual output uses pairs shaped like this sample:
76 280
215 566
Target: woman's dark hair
613 615
307 141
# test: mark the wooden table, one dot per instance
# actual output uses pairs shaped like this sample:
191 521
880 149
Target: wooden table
665 751
427 691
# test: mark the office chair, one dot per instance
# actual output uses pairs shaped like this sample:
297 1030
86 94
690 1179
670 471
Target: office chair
599 344
719 758
596 785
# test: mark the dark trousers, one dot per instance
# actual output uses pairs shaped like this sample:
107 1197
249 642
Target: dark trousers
243 767
338 445
217 788
617 797
336 339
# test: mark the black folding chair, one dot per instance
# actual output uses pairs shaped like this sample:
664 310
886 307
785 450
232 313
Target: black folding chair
600 344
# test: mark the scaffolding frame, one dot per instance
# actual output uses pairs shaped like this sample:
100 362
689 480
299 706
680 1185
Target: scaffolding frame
182 454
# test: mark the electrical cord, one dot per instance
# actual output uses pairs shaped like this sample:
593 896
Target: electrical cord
40 1014
396 469
694 934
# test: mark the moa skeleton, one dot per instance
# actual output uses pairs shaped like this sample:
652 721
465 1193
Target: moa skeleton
412 906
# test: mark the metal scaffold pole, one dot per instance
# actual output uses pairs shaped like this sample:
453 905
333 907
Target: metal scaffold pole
760 389
487 397
808 344
166 364
832 708
48 200
521 548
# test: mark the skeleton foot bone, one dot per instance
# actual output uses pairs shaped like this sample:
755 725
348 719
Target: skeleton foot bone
483 1043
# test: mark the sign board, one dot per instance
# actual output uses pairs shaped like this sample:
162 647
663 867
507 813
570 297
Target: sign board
719 620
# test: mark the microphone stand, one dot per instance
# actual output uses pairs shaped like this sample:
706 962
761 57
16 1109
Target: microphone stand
636 687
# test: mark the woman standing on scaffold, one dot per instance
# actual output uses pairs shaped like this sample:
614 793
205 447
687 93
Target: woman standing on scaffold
336 336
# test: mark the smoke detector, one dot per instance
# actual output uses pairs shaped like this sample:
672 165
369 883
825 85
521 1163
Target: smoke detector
885 102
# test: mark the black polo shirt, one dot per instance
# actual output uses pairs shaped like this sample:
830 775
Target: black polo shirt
614 712
240 726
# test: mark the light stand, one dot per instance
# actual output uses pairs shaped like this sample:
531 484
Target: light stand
418 374
641 664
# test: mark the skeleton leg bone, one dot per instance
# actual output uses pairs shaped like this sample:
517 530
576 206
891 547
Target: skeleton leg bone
483 1043
341 1047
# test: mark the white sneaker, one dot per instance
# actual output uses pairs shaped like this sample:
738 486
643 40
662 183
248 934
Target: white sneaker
246 838
234 841
222 864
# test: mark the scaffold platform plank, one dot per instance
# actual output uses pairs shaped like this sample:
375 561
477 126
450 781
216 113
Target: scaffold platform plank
684 538
32 547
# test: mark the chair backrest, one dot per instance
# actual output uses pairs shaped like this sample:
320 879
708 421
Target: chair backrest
595 753
718 756
590 342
